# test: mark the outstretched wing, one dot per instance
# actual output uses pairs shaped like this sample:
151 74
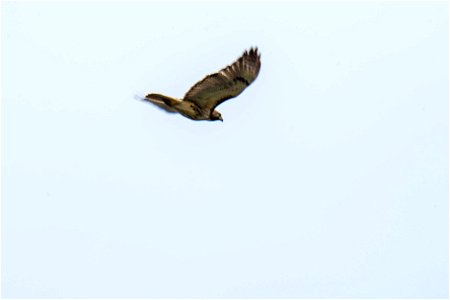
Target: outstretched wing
227 83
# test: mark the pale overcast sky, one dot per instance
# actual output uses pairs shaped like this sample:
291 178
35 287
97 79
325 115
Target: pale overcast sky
327 178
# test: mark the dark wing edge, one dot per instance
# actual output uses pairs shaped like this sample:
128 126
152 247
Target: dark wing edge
228 83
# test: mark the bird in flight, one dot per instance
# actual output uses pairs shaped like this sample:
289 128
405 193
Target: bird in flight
201 100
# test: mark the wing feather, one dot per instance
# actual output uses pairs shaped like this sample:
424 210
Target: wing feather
227 83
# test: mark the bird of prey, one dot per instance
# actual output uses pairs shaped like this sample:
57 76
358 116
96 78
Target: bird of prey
200 101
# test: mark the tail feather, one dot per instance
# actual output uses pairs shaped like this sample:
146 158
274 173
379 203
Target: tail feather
163 102
169 101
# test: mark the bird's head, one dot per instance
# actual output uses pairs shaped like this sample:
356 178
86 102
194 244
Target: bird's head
215 116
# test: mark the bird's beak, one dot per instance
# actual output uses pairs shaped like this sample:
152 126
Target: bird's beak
220 118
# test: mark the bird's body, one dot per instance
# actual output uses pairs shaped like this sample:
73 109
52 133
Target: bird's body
200 101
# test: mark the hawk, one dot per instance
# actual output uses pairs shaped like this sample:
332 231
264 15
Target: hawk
201 100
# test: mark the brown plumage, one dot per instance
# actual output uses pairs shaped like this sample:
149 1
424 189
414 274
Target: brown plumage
200 101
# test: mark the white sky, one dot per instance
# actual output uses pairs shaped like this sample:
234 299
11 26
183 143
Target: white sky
328 177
